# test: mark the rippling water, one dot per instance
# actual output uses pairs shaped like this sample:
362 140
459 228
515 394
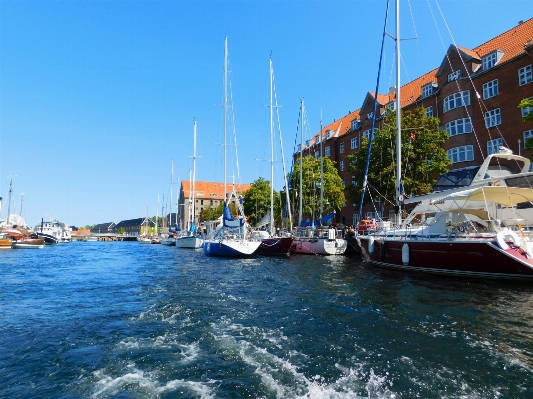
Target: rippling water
125 320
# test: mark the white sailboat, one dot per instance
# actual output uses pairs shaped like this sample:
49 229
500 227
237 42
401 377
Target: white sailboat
231 239
191 239
143 238
314 240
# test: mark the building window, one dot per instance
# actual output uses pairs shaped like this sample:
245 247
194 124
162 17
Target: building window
491 59
370 115
341 166
353 143
454 75
457 100
524 75
355 124
327 151
493 146
490 89
493 118
526 110
427 90
341 148
459 126
317 155
317 139
328 134
429 111
373 215
461 154
366 133
527 135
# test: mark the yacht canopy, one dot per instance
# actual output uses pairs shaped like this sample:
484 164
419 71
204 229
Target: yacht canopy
502 195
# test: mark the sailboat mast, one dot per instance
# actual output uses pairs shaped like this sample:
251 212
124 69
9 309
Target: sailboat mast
399 194
194 175
321 172
190 201
225 108
301 163
9 201
171 183
271 155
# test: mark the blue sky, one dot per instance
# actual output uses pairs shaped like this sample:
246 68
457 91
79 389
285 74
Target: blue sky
98 97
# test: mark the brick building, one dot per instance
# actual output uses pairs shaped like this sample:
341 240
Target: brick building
207 194
474 92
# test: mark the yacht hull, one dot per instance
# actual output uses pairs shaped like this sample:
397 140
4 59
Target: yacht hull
458 257
318 246
275 246
231 248
192 242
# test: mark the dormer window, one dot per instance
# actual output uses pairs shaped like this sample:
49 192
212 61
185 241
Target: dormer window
355 124
454 75
427 90
317 140
370 115
329 133
491 59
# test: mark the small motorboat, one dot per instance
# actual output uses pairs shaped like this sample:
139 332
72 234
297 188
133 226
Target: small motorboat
32 241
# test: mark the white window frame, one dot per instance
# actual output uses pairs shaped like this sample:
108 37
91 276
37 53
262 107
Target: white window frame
489 60
355 124
493 146
341 148
366 133
524 75
317 139
427 90
463 153
490 89
327 151
373 215
429 111
454 75
456 100
528 134
353 143
459 126
341 166
370 115
493 118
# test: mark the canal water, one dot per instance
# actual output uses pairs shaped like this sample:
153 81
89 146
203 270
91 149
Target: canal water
123 320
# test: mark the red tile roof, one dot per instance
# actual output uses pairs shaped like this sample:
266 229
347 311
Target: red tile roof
211 190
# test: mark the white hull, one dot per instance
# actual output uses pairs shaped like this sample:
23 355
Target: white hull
189 242
144 241
231 248
27 246
318 246
169 241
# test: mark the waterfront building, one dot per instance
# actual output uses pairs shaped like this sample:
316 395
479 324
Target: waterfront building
474 92
133 227
104 228
207 194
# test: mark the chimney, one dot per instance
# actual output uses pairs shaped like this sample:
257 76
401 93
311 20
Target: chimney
392 90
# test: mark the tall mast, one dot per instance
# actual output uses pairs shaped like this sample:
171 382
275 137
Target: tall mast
301 163
194 175
9 200
171 183
321 172
190 201
225 107
271 155
399 194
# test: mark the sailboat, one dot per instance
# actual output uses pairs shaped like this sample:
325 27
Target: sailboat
191 239
314 240
143 238
170 238
473 231
231 239
272 243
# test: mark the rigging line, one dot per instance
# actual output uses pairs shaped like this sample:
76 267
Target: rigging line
480 101
371 135
234 127
481 104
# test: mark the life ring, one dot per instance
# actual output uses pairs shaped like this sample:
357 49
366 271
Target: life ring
503 237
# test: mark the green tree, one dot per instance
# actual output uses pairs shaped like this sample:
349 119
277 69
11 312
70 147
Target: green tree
213 213
527 103
333 188
423 157
257 201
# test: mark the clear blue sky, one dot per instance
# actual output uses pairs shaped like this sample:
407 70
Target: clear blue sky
98 97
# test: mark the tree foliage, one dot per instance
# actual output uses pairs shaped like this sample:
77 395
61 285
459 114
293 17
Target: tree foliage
214 212
257 202
423 157
527 103
333 188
